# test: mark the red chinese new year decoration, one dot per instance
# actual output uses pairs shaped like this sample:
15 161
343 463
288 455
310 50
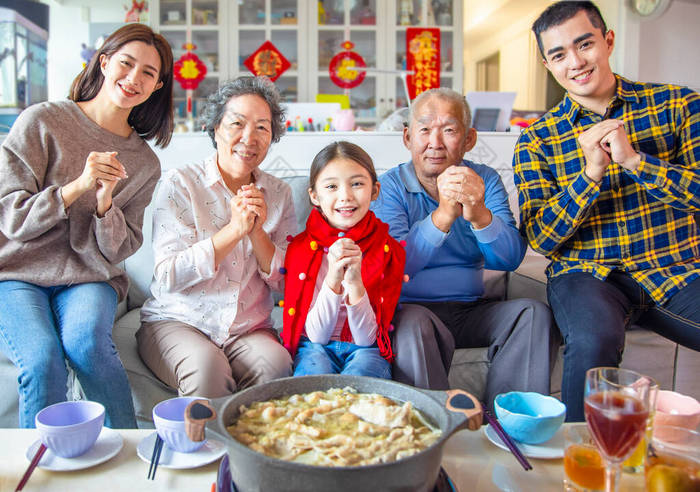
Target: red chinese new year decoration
189 70
342 68
423 58
133 14
267 60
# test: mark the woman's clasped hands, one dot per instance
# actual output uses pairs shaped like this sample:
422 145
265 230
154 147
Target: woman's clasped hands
248 210
101 173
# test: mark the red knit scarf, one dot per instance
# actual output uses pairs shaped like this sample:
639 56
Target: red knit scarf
383 261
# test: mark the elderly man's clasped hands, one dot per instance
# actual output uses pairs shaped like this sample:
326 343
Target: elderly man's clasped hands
461 192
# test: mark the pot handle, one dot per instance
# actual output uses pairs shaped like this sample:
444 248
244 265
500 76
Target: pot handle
462 402
197 414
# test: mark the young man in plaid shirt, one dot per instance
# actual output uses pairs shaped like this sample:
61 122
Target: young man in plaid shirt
608 184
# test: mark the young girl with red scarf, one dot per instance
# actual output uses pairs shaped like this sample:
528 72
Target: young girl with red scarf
343 273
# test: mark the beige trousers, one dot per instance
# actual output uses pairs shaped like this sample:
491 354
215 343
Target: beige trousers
186 359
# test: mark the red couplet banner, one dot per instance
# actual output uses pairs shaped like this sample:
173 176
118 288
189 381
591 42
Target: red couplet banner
423 58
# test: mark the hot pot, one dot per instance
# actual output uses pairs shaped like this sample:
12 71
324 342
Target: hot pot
252 471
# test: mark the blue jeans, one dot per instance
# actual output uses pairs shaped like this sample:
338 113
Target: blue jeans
340 358
42 327
592 316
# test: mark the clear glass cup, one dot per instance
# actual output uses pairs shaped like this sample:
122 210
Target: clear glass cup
616 406
584 469
673 460
635 462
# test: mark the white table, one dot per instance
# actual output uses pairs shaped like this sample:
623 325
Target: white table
473 463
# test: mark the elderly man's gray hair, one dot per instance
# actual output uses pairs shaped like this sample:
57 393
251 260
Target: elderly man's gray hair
213 112
444 93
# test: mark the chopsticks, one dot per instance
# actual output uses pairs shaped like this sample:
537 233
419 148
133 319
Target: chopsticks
155 458
35 461
493 422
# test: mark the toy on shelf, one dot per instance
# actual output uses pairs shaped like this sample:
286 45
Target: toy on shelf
405 12
321 13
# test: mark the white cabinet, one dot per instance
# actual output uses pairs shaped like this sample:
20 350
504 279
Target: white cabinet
198 22
309 33
378 30
283 22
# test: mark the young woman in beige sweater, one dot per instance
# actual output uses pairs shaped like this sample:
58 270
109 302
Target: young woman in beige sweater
75 177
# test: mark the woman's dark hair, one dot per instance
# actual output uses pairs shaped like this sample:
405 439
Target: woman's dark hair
152 118
214 110
342 149
560 12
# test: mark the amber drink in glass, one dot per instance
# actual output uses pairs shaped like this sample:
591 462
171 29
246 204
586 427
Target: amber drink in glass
616 406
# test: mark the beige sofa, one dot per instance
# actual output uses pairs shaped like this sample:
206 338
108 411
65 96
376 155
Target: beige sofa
673 366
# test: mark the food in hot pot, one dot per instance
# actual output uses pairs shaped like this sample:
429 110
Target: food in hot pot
338 427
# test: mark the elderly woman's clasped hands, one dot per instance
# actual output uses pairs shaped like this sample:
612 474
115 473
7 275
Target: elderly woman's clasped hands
248 210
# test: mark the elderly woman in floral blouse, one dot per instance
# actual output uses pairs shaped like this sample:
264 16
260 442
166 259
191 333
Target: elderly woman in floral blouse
219 239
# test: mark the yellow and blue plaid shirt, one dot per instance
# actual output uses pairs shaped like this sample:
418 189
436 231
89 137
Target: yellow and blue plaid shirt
640 222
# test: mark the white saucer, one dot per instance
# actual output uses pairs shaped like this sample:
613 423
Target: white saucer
211 451
549 450
108 444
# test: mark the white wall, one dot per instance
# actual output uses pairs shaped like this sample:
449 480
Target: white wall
513 42
669 47
515 68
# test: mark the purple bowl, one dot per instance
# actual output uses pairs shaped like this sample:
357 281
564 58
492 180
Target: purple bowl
70 428
169 419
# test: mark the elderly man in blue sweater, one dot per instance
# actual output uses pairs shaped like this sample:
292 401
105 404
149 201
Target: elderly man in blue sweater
456 221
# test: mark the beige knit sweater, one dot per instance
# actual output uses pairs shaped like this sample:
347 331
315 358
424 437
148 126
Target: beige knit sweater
41 241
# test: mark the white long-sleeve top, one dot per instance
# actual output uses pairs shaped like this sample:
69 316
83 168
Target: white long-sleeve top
191 205
329 310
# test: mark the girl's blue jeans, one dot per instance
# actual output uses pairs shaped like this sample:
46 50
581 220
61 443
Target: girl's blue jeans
340 358
43 327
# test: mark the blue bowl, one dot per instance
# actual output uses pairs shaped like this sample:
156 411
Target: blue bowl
530 418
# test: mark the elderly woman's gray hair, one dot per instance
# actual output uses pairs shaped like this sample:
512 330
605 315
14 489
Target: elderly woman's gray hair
213 111
443 93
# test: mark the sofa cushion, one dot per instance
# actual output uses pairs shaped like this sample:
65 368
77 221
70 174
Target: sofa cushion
468 370
300 197
687 370
139 266
146 388
650 354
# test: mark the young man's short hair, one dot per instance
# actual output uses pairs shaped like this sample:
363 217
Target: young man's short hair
560 12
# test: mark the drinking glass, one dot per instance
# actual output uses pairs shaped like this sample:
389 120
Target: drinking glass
584 470
673 460
635 462
616 406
